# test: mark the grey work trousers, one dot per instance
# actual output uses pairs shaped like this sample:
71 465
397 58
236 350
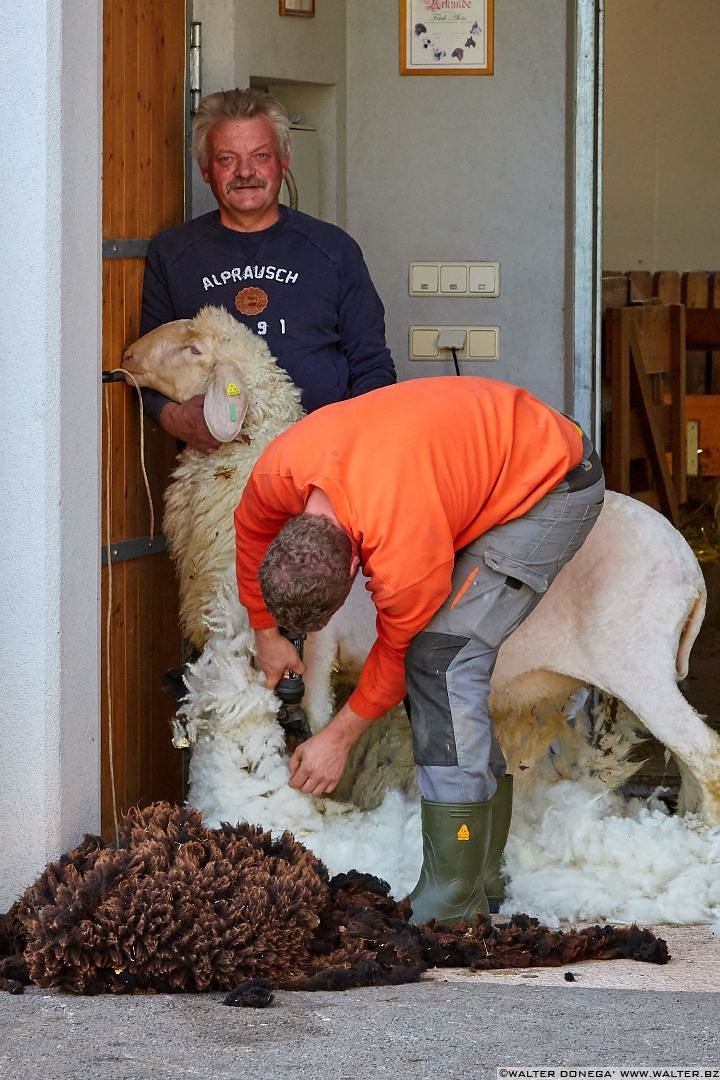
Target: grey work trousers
497 581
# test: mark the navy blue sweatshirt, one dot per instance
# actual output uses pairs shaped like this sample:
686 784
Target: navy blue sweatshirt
302 284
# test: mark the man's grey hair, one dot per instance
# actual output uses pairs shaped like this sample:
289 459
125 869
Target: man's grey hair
238 105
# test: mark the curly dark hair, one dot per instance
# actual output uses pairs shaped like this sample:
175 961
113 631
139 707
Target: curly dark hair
305 575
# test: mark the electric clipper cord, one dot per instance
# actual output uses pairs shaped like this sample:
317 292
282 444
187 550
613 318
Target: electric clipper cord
291 715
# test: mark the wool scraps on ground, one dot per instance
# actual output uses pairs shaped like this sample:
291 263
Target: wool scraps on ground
176 906
578 852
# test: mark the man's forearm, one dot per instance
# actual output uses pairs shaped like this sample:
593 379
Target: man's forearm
348 726
186 421
371 372
153 403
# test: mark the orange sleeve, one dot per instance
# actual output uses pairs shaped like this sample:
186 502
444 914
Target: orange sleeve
267 504
382 679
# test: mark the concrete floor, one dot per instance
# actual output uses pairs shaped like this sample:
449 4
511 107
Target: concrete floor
451 1026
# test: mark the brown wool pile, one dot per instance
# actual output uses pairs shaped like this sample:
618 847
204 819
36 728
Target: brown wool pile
180 907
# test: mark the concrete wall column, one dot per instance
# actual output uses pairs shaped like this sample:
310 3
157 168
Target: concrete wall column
50 420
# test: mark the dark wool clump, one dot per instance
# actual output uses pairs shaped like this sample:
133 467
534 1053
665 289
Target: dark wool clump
176 906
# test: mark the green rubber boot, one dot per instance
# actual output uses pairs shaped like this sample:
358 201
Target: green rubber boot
455 846
495 880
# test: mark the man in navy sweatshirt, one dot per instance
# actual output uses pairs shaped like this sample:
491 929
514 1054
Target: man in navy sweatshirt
298 282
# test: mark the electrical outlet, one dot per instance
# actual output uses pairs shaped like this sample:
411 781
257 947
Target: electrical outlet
479 342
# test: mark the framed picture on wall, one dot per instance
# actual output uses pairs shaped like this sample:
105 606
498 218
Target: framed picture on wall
297 7
446 37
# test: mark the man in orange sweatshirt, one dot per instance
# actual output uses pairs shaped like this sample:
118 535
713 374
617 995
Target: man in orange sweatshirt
461 499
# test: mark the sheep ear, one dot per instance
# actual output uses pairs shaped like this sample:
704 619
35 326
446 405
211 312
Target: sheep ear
225 405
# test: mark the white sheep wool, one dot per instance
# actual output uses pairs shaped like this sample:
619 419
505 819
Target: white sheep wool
239 765
577 850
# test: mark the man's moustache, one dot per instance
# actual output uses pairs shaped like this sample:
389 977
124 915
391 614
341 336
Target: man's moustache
240 184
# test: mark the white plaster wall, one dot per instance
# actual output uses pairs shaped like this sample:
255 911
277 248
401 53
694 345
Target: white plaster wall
49 505
461 168
661 135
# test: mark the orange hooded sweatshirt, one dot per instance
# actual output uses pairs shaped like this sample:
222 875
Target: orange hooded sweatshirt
414 472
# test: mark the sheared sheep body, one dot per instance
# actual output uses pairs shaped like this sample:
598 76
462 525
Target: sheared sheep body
622 615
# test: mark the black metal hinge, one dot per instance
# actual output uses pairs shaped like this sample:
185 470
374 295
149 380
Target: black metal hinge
134 549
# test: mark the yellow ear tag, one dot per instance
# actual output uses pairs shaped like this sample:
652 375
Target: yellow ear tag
463 833
233 390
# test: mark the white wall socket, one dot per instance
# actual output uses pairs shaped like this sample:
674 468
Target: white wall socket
480 343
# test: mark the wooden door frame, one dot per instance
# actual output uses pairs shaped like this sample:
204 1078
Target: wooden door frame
144 153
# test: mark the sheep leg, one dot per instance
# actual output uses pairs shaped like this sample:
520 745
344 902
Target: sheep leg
690 799
319 698
668 716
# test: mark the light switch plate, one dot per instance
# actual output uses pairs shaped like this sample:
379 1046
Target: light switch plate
453 279
479 279
484 279
424 343
424 278
482 342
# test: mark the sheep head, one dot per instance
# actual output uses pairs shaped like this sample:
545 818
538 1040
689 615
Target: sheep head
172 359
215 355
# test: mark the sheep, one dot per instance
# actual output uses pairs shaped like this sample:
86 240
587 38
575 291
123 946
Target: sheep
622 616
205 355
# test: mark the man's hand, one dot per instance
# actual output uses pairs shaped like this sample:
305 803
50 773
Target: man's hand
318 764
186 420
276 655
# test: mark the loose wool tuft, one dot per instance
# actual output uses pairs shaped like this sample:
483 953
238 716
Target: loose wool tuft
578 851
